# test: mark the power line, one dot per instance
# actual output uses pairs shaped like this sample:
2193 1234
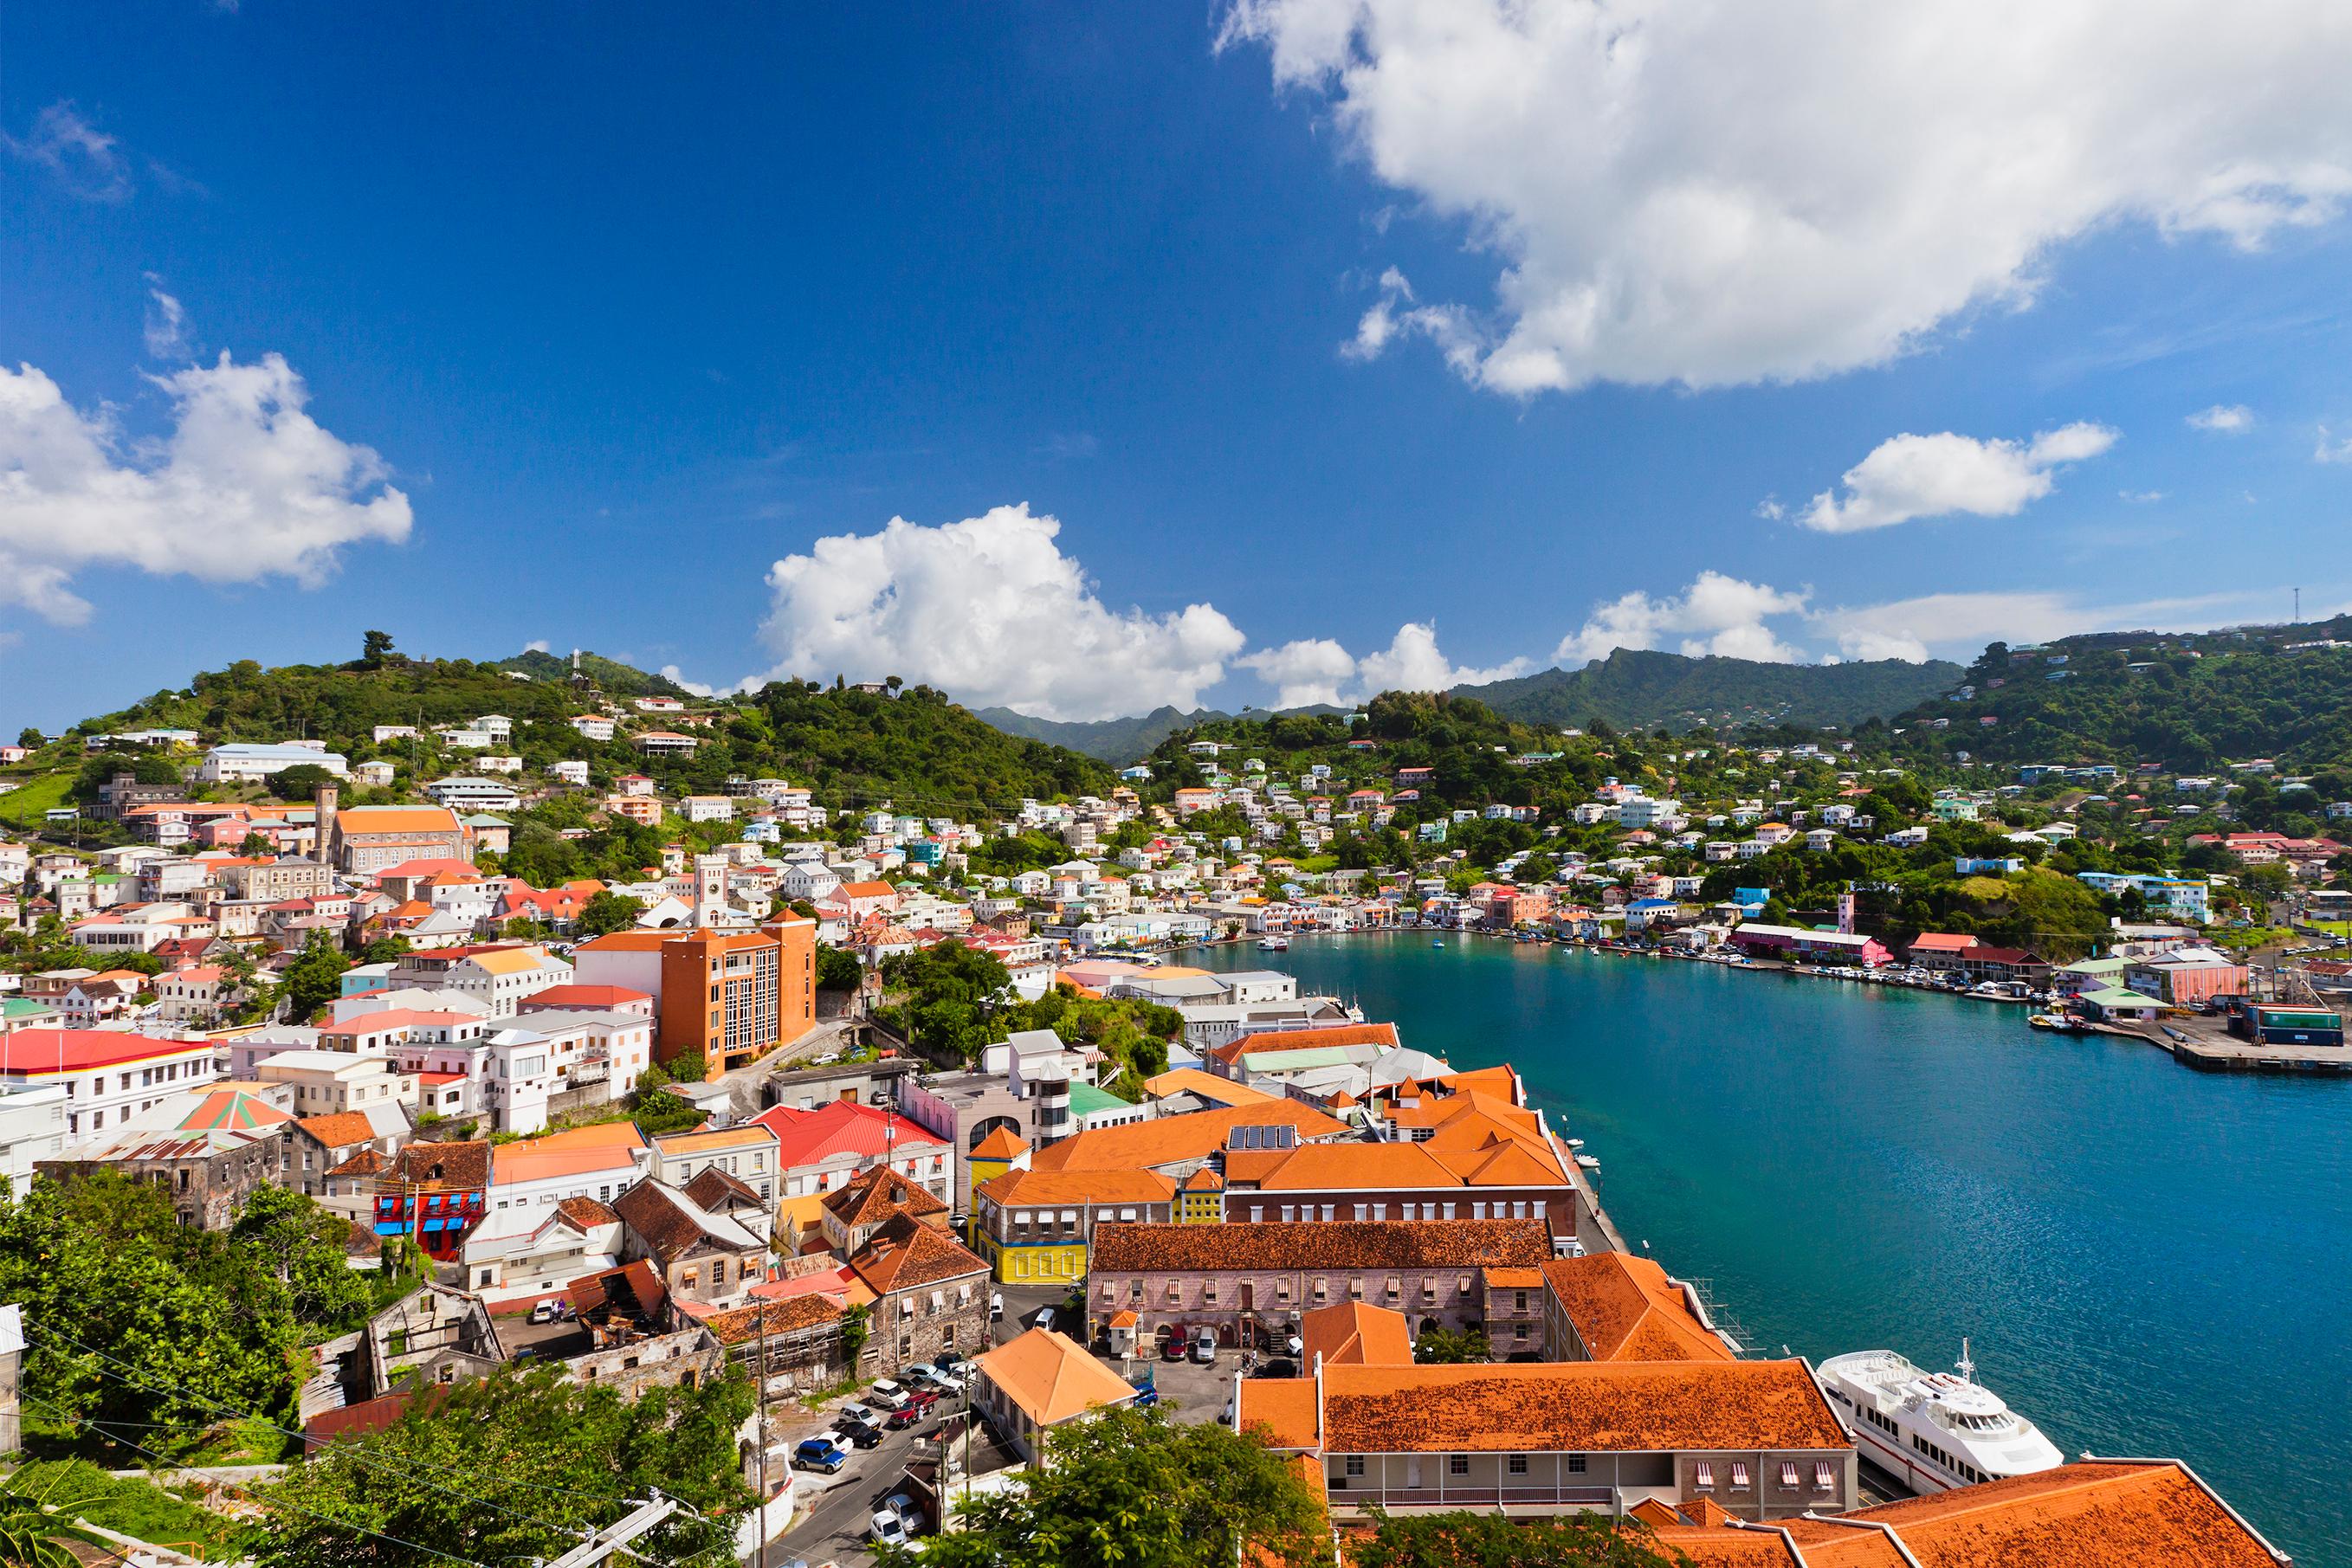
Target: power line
263 1499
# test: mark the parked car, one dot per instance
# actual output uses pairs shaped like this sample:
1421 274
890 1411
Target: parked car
864 1414
1145 1396
889 1396
909 1512
1280 1366
885 1528
1045 1318
922 1372
860 1434
953 1362
996 1306
1172 1348
920 1400
946 1382
1204 1347
822 1453
547 1311
901 1419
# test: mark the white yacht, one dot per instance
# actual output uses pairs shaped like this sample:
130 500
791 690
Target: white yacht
1935 1430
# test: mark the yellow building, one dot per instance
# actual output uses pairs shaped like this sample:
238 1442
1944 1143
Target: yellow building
1034 1226
1201 1200
1000 1151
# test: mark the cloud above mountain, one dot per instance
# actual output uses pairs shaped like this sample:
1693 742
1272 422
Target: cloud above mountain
1910 477
1716 614
244 485
1712 192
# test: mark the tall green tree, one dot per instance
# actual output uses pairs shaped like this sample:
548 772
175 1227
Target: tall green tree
1130 1488
516 1466
314 978
607 911
302 1244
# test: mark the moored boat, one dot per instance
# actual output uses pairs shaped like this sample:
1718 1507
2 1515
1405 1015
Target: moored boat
1935 1430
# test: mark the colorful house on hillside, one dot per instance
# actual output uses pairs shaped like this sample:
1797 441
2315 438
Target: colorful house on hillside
434 1194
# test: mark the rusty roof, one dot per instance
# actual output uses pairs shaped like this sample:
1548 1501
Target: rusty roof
2094 1514
441 1166
1338 1244
1575 1406
1627 1308
790 1315
907 1254
875 1192
337 1130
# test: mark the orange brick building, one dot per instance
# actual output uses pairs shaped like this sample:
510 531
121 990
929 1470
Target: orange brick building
726 996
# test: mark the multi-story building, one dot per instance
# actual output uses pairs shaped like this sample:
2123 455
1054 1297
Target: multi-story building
243 763
365 839
499 974
729 997
1756 1438
1252 1285
109 1077
32 1128
747 1152
823 1148
1035 1226
707 1259
434 1193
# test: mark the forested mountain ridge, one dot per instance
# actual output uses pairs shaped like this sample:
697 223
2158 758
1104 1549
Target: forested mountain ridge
909 746
1640 689
2188 703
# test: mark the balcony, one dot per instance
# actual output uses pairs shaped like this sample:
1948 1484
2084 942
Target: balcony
1363 1494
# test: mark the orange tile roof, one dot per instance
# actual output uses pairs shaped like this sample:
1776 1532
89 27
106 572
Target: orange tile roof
1354 1334
1575 1406
2094 1514
1171 1140
1207 1085
338 1129
608 1147
1339 1244
742 1137
396 820
1377 1168
1020 1190
1380 1034
1003 1144
906 1254
1052 1379
1625 1309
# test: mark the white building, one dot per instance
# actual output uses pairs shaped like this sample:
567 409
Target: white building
327 1081
241 763
109 1077
32 1128
462 793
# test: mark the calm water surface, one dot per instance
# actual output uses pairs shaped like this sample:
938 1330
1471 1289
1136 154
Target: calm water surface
2146 1260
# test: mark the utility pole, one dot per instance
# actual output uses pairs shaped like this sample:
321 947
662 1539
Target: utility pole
614 1538
763 1434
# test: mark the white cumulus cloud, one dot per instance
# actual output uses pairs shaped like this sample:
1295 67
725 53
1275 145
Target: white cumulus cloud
2223 419
1318 670
1715 192
990 608
245 485
1716 614
1909 476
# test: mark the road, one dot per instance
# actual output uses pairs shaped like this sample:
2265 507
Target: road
835 1529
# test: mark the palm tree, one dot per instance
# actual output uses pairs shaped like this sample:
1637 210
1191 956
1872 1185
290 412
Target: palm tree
31 1530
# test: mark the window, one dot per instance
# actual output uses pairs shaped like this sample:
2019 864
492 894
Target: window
1428 1292
1576 1464
1329 1211
1457 1464
1353 1465
1738 1477
1518 1464
1395 1288
1789 1477
1823 1479
1519 1331
1702 1476
1209 1292
1322 1291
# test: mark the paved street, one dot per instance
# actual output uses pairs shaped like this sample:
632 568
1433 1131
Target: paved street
840 1505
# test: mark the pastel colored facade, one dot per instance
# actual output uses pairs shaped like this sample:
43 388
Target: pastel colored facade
1255 1284
1824 946
1757 1439
727 996
823 1148
365 839
1033 1225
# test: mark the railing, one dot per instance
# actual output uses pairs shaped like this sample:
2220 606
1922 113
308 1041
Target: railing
1361 1496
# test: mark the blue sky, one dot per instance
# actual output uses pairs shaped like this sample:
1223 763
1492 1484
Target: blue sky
627 314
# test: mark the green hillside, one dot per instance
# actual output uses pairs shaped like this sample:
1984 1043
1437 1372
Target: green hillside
915 749
2191 703
1642 689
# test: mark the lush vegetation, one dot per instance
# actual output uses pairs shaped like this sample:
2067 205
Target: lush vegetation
1489 1540
1118 741
2192 703
76 1489
1645 690
512 1467
146 1333
953 1002
1134 1490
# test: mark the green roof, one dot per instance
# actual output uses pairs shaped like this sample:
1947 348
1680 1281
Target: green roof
1085 1099
19 1006
2116 996
1296 1061
2097 967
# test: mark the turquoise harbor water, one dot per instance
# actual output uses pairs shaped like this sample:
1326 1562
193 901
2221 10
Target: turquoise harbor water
2148 1260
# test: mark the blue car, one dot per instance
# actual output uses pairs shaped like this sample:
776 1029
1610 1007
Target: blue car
1145 1396
821 1453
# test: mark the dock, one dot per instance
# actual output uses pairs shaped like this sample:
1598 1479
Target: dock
2207 1045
